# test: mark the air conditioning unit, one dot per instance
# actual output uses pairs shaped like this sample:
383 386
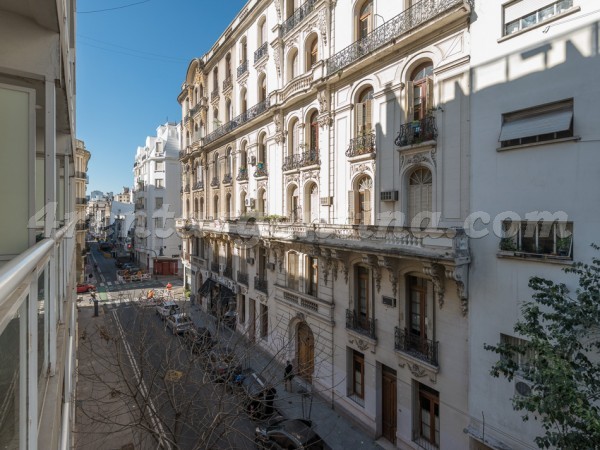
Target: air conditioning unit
389 196
252 160
389 301
249 203
522 387
250 261
326 201
271 266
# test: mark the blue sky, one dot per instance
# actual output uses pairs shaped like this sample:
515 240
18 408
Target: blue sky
131 63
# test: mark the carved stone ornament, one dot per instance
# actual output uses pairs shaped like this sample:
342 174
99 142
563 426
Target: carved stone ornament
367 167
324 120
362 345
300 316
243 289
277 59
322 98
262 185
437 272
277 121
323 25
391 266
460 275
278 9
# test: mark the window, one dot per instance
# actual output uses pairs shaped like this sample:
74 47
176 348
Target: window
160 183
361 303
314 131
359 202
420 92
201 248
419 195
292 272
215 119
158 202
242 311
264 321
160 166
262 150
428 421
363 112
524 360
262 88
228 66
538 238
216 79
519 16
312 55
312 275
357 390
365 20
539 124
417 311
158 222
293 65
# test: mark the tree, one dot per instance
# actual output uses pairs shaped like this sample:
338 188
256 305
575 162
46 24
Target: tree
559 358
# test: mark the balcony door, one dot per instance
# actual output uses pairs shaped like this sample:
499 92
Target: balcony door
362 307
389 406
420 92
365 20
417 314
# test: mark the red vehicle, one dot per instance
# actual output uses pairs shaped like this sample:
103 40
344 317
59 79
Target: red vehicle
81 288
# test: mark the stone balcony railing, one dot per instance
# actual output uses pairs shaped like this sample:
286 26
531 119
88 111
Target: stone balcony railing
416 132
298 16
261 52
305 303
299 160
416 346
408 20
362 325
300 83
361 145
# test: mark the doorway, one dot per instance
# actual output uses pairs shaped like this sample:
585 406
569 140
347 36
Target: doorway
388 404
306 352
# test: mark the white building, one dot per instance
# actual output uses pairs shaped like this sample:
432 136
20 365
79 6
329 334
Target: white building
336 124
534 140
37 244
157 196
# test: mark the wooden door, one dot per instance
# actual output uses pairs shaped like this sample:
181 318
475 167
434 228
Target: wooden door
388 404
306 352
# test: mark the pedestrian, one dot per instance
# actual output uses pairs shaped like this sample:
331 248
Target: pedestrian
169 286
92 297
288 376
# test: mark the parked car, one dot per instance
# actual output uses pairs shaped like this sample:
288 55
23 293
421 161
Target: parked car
85 287
222 365
178 323
105 246
289 434
257 394
166 309
199 340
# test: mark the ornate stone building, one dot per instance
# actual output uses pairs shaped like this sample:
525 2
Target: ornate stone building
82 156
325 168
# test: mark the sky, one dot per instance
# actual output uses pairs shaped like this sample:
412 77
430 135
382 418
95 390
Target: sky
132 56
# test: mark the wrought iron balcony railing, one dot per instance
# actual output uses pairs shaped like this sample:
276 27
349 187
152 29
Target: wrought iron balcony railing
261 170
227 84
199 185
416 132
261 52
81 201
260 284
227 179
79 174
214 267
228 272
242 174
298 16
214 182
250 114
416 346
214 95
308 158
363 325
242 69
242 278
361 145
404 22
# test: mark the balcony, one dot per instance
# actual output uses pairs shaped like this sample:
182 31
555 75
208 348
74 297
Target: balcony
242 278
187 188
227 179
390 31
214 95
199 185
228 272
81 175
297 17
416 132
242 174
81 201
250 114
261 170
416 346
242 69
214 267
362 325
214 182
227 84
362 145
299 160
262 51
260 284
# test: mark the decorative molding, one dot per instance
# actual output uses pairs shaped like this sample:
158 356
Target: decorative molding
460 275
436 272
391 265
278 9
363 167
323 25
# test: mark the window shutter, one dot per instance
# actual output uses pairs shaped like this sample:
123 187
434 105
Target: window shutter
369 116
295 139
351 204
429 95
358 117
367 207
410 101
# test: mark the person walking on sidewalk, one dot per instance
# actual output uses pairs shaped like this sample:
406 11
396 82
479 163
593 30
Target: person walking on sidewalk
288 376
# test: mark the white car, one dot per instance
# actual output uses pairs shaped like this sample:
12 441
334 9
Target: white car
167 309
178 323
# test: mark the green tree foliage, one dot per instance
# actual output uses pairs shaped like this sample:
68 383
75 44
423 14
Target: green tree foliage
561 342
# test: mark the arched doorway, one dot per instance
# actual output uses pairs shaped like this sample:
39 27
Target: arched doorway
306 352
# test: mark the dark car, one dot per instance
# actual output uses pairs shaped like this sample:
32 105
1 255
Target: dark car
257 394
199 340
289 434
222 364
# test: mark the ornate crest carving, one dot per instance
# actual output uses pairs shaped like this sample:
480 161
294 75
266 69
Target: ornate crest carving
323 25
278 9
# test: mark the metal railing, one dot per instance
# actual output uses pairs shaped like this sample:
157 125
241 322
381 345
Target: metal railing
227 179
214 182
79 174
261 52
250 114
363 325
81 201
199 185
227 84
242 174
416 346
260 284
242 278
261 170
214 267
214 95
242 68
298 16
407 20
361 145
298 160
417 131
228 272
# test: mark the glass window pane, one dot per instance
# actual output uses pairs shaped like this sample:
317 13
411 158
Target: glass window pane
563 4
529 20
512 27
41 310
9 384
546 12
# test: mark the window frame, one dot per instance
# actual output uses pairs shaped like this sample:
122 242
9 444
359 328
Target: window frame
558 12
358 361
514 232
433 397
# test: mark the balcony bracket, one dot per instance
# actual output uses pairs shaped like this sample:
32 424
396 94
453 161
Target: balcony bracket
436 272
460 275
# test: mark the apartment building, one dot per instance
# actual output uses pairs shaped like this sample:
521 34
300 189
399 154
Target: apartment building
38 263
157 199
125 196
82 156
325 169
534 181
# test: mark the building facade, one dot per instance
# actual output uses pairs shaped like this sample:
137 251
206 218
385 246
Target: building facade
534 181
125 196
82 156
157 199
325 167
38 262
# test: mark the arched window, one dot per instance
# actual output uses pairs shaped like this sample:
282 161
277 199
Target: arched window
243 102
294 137
364 112
262 31
216 164
215 80
420 92
229 163
261 202
312 52
262 87
228 206
215 118
313 132
228 66
243 208
262 150
359 202
187 208
216 207
365 20
201 92
290 7
201 208
311 203
228 110
293 204
293 271
243 50
196 209
293 64
419 193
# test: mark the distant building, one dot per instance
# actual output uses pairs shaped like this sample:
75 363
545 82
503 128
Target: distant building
94 195
82 156
124 197
157 185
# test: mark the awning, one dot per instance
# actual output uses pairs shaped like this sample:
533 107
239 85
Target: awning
550 122
206 287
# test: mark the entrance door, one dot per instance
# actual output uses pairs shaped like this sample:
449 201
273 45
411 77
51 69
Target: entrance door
306 352
252 314
388 404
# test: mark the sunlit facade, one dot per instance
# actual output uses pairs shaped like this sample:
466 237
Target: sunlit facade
82 156
325 165
38 262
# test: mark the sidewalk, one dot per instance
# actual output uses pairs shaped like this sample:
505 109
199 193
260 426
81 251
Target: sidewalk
337 431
